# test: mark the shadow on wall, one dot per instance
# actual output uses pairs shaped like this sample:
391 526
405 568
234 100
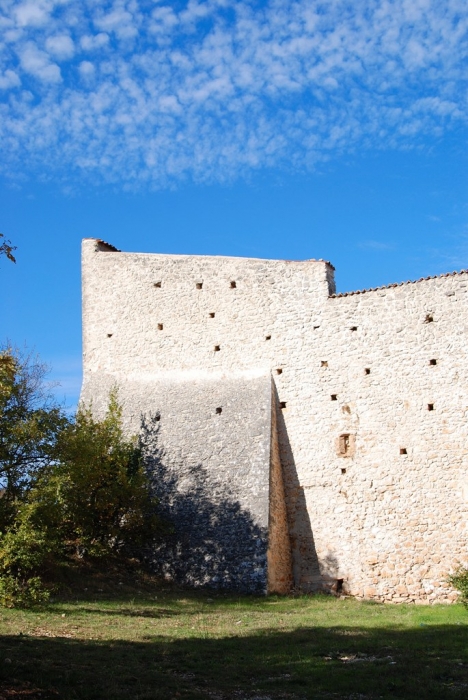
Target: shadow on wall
214 543
310 574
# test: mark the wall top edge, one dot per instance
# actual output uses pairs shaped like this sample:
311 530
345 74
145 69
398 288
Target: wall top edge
103 246
108 247
399 284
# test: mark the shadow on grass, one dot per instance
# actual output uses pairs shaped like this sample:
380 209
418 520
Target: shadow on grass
431 662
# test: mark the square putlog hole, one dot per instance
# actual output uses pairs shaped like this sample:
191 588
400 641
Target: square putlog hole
367 370
334 397
217 348
429 318
157 285
433 362
353 328
403 451
268 337
324 363
430 406
279 370
219 410
343 471
282 404
160 326
211 314
233 284
199 285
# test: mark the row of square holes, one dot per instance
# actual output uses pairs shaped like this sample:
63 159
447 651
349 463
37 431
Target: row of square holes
334 397
268 337
198 285
233 285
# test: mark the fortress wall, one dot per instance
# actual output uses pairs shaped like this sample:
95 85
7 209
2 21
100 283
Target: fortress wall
177 372
391 525
123 311
211 472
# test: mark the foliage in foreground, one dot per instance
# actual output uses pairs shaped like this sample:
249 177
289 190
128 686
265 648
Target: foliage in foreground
7 248
459 580
69 485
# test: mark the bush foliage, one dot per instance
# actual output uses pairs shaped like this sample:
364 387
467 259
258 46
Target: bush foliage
459 580
69 485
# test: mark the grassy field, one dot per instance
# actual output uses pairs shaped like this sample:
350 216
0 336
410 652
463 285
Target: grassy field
151 642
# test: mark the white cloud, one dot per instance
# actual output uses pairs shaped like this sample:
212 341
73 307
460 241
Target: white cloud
215 88
37 63
86 69
32 13
91 42
9 79
60 46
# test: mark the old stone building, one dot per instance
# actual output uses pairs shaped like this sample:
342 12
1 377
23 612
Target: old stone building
300 438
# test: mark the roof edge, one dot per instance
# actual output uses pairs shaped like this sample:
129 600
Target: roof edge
398 284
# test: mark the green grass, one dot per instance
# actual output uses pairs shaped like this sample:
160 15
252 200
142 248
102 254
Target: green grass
166 643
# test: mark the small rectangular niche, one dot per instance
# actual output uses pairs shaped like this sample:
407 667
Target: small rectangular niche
217 348
316 328
345 445
279 370
199 285
219 410
211 314
429 318
334 397
432 362
233 284
353 328
268 337
109 335
282 404
430 406
160 326
157 417
157 285
403 451
367 370
343 471
324 363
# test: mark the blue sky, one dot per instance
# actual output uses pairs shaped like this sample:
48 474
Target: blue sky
278 129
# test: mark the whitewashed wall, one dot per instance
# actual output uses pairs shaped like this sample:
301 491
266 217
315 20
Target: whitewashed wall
382 524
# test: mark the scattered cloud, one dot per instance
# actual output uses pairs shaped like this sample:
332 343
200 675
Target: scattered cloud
60 46
38 64
140 95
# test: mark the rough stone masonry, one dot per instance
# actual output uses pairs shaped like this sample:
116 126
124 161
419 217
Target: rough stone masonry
301 438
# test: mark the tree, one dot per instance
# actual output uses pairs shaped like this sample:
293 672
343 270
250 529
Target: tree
104 490
30 422
69 485
6 248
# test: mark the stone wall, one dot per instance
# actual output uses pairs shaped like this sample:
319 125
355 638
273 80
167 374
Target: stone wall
370 396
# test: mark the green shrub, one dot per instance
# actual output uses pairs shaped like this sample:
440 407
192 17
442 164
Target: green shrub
24 553
459 580
68 485
100 484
